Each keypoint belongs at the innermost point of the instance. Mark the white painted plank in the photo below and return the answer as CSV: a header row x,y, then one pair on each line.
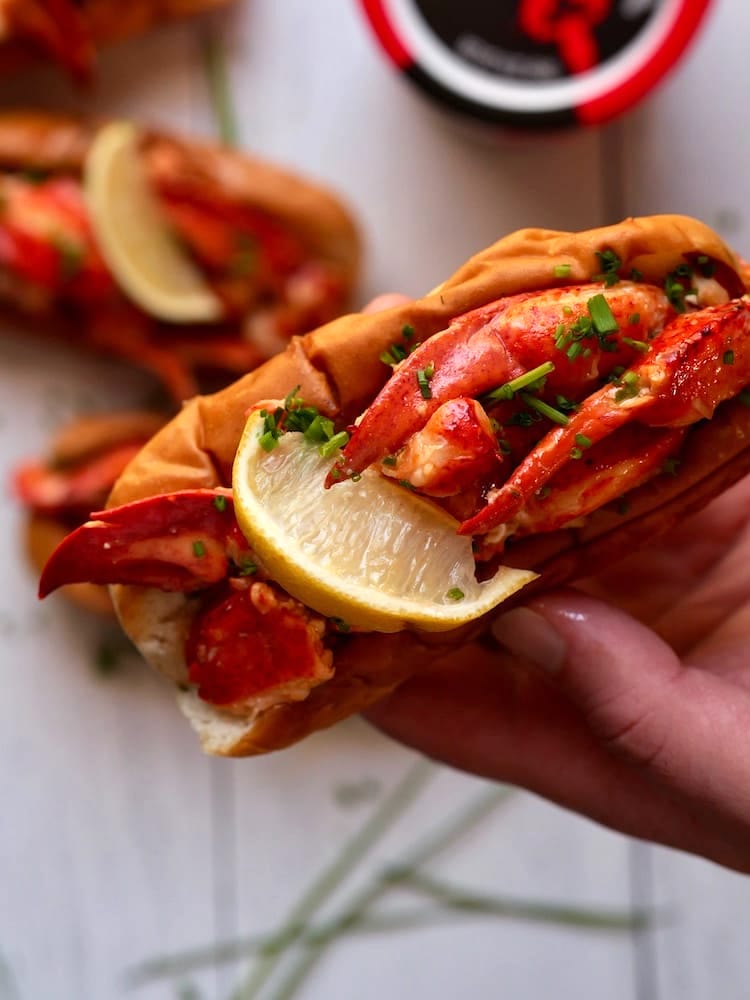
x,y
685,150
701,944
525,850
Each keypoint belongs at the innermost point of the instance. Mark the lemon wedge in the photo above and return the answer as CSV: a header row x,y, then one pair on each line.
x,y
146,261
369,553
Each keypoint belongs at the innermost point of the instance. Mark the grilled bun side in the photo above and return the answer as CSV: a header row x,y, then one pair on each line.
x,y
59,143
338,370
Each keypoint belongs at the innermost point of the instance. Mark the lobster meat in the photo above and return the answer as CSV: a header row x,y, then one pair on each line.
x,y
661,368
567,401
249,638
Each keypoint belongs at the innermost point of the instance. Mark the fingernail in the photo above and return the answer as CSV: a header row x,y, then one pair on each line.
x,y
526,633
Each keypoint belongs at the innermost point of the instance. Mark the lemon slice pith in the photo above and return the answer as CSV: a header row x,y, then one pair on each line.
x,y
368,552
145,259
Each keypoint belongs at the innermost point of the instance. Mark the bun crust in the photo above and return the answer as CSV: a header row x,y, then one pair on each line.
x,y
338,370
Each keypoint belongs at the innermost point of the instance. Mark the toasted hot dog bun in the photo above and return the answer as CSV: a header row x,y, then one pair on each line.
x,y
338,370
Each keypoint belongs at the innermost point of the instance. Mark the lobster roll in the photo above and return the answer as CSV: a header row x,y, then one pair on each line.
x,y
276,254
563,398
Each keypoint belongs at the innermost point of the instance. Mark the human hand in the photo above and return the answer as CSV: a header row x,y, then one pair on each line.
x,y
626,699
637,718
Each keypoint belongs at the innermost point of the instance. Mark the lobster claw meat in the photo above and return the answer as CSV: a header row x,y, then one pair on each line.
x,y
700,360
181,541
495,344
248,639
630,355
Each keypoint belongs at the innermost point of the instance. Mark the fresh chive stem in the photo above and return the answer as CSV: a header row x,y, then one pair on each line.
x,y
423,852
219,90
509,389
545,409
331,877
601,315
457,898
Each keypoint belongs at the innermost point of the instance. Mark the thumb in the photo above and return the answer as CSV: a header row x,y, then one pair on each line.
x,y
680,723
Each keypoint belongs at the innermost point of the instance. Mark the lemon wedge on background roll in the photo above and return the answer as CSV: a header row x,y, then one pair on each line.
x,y
145,258
368,553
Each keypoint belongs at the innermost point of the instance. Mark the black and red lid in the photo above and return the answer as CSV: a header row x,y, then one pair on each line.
x,y
536,63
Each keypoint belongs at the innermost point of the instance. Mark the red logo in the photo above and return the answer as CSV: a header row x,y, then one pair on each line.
x,y
569,25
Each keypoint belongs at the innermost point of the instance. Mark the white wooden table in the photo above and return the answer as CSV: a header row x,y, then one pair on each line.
x,y
125,855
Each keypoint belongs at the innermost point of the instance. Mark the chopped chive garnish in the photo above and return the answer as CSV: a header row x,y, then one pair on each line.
x,y
565,404
635,274
393,356
728,358
675,289
70,259
247,567
389,460
319,429
268,441
407,331
634,319
706,266
423,381
504,446
616,374
340,625
330,447
629,387
575,350
561,270
544,409
611,265
576,453
567,310
406,484
220,503
199,549
455,594
601,315
291,398
744,397
582,441
638,345
544,492
508,390
523,419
